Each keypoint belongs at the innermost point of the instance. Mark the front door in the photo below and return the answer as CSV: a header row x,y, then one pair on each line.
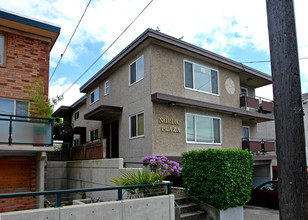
x,y
111,134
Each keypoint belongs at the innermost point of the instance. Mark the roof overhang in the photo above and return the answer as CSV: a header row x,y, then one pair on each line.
x,y
26,24
62,112
102,112
78,130
249,116
247,74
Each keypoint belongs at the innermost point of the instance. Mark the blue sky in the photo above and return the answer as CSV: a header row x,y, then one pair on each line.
x,y
236,29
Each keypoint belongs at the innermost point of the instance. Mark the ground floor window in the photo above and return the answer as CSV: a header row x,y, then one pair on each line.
x,y
13,107
76,142
137,125
94,135
202,129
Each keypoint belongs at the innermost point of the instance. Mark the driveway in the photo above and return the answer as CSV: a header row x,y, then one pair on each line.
x,y
260,213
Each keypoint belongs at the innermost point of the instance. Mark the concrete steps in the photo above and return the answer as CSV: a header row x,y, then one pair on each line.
x,y
186,209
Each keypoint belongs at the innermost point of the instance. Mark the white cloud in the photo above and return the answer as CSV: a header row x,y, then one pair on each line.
x,y
218,25
60,86
265,92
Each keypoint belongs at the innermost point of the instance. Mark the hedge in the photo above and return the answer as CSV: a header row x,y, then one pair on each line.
x,y
220,178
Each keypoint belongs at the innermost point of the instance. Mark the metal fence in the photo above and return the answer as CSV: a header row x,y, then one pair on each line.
x,y
63,195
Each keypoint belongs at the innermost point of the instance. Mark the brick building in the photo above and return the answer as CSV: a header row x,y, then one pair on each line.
x,y
25,45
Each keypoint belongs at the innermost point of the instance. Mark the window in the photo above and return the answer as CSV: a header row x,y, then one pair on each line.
x,y
13,107
107,87
246,132
76,142
200,78
202,129
94,96
2,50
94,135
76,115
136,71
137,125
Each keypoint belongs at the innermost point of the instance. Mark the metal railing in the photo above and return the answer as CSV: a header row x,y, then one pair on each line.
x,y
261,104
262,145
59,193
18,129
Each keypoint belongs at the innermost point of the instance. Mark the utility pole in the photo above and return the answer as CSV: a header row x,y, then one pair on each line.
x,y
288,110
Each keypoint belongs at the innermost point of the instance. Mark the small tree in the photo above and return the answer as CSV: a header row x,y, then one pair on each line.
x,y
40,106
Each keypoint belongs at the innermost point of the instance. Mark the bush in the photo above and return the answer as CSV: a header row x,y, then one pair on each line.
x,y
163,166
129,177
220,178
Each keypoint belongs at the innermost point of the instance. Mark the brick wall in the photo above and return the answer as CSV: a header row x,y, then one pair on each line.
x,y
18,174
26,59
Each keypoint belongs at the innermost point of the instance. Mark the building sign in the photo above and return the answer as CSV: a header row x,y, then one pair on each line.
x,y
169,125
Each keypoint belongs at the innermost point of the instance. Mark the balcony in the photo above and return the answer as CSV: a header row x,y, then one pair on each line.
x,y
24,130
258,145
258,104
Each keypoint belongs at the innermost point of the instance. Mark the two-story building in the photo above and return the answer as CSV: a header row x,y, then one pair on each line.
x,y
163,96
25,45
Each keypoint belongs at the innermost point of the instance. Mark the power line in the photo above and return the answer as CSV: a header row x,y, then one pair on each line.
x,y
268,61
106,49
70,40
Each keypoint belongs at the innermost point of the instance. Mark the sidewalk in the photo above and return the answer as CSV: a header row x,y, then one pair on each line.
x,y
260,213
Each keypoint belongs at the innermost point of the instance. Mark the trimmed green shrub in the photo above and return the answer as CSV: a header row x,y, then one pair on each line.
x,y
220,178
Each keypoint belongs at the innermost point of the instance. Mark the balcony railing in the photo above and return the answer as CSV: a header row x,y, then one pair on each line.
x,y
17,129
259,104
258,145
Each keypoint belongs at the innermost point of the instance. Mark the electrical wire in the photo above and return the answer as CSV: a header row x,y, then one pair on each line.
x,y
106,49
268,61
70,40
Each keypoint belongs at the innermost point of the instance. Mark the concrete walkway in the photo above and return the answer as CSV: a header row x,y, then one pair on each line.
x,y
260,213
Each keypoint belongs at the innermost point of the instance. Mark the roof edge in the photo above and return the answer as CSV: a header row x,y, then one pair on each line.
x,y
150,33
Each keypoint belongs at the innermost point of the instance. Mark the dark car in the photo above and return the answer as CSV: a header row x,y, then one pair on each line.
x,y
265,195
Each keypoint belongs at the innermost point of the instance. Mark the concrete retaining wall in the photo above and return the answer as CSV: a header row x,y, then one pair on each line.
x,y
160,207
84,174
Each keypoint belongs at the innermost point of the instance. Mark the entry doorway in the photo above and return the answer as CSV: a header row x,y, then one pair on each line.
x,y
111,134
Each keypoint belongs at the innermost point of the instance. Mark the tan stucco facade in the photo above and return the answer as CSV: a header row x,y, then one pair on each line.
x,y
164,125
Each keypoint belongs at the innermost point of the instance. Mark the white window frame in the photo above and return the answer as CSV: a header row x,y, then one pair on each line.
x,y
193,89
76,113
137,80
93,92
3,50
130,126
244,89
107,84
205,116
15,104
94,134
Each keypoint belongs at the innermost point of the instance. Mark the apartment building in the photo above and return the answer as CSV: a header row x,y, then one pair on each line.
x,y
163,96
25,45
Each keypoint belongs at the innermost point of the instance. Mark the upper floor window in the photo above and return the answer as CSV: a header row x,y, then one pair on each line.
x,y
202,129
76,115
94,96
107,87
201,78
137,125
136,71
2,50
13,107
